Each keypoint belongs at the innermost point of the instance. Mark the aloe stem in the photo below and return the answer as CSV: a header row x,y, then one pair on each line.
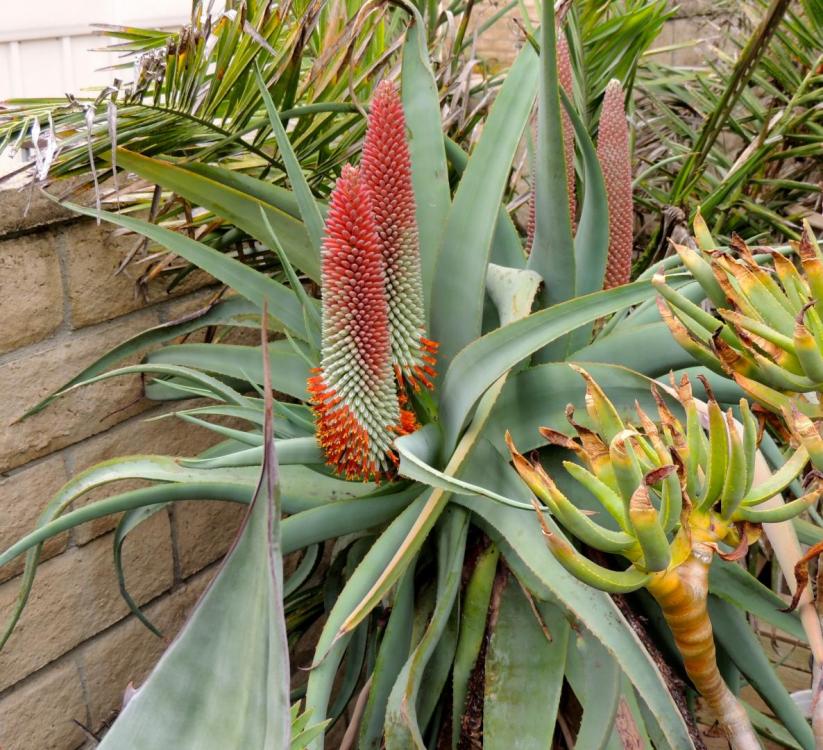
x,y
682,594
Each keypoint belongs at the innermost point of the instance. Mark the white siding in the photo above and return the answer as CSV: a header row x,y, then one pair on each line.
x,y
46,45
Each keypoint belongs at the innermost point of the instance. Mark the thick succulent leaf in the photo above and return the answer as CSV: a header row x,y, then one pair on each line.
x,y
552,254
524,673
591,243
460,279
241,209
394,650
538,396
507,247
337,519
330,648
474,614
402,729
597,681
734,633
421,105
483,361
648,348
283,304
290,370
737,586
211,688
236,311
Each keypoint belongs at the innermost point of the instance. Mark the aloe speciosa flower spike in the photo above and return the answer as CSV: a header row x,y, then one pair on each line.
x,y
353,392
374,348
680,493
386,169
614,155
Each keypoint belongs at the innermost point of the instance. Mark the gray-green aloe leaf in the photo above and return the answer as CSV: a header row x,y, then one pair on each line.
x,y
239,695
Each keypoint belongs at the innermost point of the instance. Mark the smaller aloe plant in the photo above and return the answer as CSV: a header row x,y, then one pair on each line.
x,y
769,337
373,345
679,495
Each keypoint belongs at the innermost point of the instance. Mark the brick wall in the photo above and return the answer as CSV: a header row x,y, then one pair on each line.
x,y
75,649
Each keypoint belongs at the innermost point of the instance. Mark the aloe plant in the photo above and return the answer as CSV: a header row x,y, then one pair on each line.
x,y
401,263
678,495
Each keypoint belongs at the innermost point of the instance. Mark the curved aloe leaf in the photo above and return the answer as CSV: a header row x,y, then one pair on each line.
x,y
647,348
520,711
597,681
236,311
421,105
402,729
483,361
394,650
239,696
460,279
523,547
552,254
289,369
735,635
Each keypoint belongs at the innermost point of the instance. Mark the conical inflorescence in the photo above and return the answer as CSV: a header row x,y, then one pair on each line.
x,y
614,155
373,341
386,167
353,393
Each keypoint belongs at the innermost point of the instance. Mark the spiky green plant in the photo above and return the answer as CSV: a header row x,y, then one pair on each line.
x,y
768,335
679,496
399,638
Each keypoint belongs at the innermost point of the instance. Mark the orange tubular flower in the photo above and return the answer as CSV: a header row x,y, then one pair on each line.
x,y
353,393
386,167
615,161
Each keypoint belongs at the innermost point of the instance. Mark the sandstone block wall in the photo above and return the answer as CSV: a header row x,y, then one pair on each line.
x,y
76,648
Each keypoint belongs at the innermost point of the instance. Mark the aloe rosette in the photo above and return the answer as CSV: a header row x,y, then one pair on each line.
x,y
679,495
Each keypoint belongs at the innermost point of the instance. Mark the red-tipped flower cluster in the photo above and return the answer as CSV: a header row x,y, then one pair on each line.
x,y
373,315
615,160
386,166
